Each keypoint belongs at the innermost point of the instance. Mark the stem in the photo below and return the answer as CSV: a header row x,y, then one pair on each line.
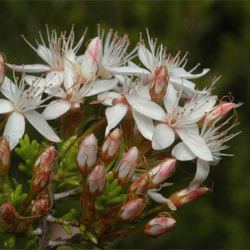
x,y
58,196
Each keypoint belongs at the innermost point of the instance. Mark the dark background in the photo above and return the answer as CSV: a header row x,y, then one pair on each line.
x,y
217,34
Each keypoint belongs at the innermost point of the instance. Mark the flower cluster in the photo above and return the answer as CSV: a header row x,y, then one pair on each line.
x,y
150,116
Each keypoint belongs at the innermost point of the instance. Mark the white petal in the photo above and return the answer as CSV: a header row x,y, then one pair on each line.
x,y
163,137
144,124
195,142
91,59
180,82
8,88
14,128
69,72
55,109
128,71
182,153
107,98
40,124
159,198
100,86
142,91
114,115
45,53
147,108
30,68
180,72
5,106
201,175
200,108
146,57
171,98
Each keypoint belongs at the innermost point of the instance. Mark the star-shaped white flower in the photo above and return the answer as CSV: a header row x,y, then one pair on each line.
x,y
120,106
21,103
54,52
161,69
215,138
113,52
180,120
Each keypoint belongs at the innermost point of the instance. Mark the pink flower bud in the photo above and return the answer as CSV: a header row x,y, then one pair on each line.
x,y
96,180
127,165
184,196
42,170
7,212
111,145
46,159
40,207
2,67
40,179
87,153
140,185
221,110
132,209
4,155
162,172
159,226
159,85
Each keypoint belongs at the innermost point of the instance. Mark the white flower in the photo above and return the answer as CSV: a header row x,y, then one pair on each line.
x,y
177,120
120,106
22,104
53,53
215,140
157,61
113,52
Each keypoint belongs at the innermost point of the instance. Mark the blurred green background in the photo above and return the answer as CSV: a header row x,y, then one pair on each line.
x,y
217,34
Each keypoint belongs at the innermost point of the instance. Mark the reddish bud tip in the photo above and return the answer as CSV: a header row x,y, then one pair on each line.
x,y
2,67
7,212
46,159
221,110
184,196
132,209
159,85
4,155
140,185
111,145
96,180
40,207
127,165
87,154
159,226
162,172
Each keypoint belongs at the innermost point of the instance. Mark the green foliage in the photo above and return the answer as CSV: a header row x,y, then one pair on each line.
x,y
67,174
28,151
17,197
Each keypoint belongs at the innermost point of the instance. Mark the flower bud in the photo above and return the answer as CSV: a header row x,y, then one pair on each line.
x,y
140,185
96,180
159,226
2,67
162,172
40,179
40,207
184,196
42,170
221,110
111,145
4,155
87,153
46,159
7,212
132,209
127,165
159,85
